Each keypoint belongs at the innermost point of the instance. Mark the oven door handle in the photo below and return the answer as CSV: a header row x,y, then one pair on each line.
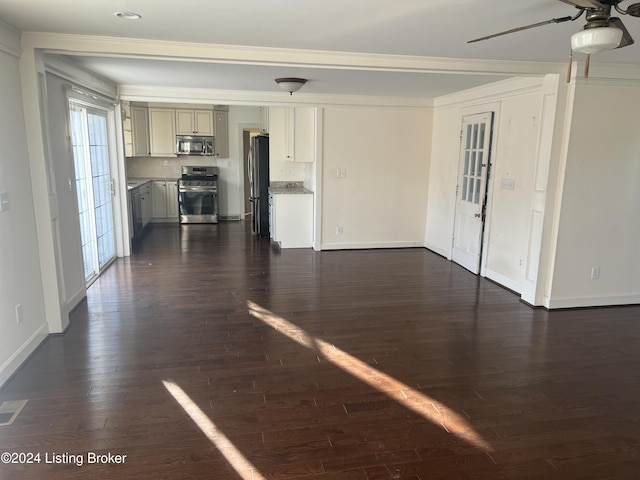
x,y
198,189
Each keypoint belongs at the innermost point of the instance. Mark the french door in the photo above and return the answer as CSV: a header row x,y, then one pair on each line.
x,y
94,187
475,149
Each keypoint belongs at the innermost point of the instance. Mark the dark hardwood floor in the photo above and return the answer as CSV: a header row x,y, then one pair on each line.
x,y
210,355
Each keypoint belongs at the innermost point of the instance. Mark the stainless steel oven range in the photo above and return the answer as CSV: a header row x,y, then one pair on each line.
x,y
198,195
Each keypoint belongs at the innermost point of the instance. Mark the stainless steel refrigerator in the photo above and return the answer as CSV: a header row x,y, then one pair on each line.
x,y
259,183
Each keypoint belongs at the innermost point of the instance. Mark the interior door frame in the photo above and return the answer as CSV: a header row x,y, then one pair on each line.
x,y
492,107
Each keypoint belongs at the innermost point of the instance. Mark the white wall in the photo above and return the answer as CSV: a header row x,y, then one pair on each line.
x,y
64,177
515,155
20,281
599,222
381,202
519,153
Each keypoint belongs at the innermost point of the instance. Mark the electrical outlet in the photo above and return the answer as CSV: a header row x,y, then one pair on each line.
x,y
19,313
341,172
595,273
338,230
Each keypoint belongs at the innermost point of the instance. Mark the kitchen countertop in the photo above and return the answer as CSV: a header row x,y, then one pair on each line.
x,y
294,188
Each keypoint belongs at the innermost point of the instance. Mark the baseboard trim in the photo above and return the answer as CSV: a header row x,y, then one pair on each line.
x,y
76,299
13,364
504,281
595,301
365,246
440,251
231,217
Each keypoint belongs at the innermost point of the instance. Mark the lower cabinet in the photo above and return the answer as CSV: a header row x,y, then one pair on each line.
x,y
165,200
291,220
146,204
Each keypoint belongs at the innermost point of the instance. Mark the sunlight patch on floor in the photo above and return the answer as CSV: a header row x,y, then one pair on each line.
x,y
428,408
239,462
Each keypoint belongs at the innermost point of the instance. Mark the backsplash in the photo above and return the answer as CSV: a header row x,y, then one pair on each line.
x,y
169,167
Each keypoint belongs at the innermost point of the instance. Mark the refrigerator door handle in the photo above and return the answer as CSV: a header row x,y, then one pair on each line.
x,y
250,166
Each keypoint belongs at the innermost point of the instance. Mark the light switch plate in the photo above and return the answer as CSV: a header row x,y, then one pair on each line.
x,y
508,183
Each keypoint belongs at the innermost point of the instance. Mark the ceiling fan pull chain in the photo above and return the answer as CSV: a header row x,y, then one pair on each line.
x,y
569,67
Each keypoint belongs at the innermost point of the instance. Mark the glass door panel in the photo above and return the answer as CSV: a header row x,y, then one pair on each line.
x,y
93,187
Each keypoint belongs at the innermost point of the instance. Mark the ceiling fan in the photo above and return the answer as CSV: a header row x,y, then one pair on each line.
x,y
601,32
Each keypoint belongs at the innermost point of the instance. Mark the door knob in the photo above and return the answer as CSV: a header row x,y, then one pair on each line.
x,y
477,215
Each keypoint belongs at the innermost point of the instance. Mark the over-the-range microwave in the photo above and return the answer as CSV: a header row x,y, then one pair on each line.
x,y
192,145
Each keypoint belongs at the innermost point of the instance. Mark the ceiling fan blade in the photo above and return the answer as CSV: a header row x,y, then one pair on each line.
x,y
526,27
627,39
634,10
584,3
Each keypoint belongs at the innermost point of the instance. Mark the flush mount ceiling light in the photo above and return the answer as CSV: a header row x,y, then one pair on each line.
x,y
596,40
128,15
291,84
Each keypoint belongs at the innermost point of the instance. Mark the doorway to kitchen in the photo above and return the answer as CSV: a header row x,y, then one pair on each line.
x,y
471,191
94,185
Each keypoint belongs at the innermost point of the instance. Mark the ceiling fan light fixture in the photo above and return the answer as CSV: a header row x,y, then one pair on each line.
x,y
291,84
596,40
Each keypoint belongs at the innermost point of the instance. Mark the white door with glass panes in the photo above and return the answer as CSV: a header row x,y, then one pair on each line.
x,y
475,150
94,187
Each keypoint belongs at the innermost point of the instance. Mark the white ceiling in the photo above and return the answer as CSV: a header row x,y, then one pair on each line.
x,y
425,28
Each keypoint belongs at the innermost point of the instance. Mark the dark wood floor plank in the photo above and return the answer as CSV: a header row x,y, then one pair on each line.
x,y
529,394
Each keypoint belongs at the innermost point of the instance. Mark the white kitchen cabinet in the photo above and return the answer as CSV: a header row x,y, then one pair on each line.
x,y
221,133
165,200
291,216
172,199
264,120
272,215
276,135
194,122
159,199
304,134
127,129
294,132
146,203
162,132
140,131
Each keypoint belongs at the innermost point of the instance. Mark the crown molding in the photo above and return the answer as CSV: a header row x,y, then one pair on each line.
x,y
492,92
136,93
198,52
9,40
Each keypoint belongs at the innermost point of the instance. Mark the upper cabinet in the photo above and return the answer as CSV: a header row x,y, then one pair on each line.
x,y
304,134
126,129
140,131
194,122
293,132
264,120
152,128
162,128
221,133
